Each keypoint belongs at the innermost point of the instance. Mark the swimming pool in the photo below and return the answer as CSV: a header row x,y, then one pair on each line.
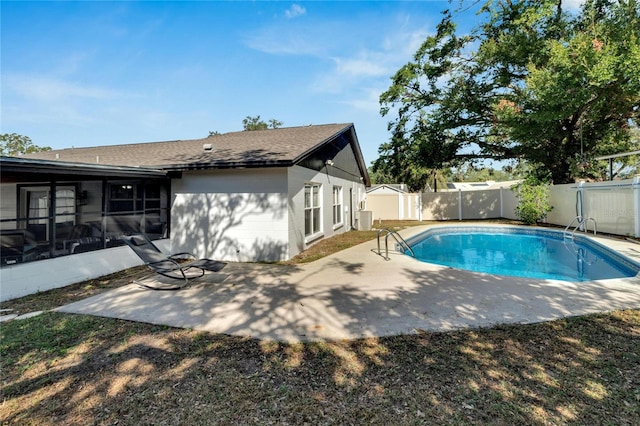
x,y
521,252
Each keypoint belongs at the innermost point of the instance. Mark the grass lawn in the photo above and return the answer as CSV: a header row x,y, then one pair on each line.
x,y
73,369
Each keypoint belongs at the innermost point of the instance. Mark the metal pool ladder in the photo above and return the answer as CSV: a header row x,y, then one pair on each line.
x,y
580,221
399,240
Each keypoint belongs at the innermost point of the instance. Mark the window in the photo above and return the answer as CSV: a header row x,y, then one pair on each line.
x,y
337,205
131,197
312,209
35,203
136,206
125,198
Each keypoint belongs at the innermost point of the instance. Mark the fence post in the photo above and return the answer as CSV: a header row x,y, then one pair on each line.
x,y
636,203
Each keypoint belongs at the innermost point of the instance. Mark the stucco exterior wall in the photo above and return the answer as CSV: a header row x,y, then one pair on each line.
x,y
232,215
353,194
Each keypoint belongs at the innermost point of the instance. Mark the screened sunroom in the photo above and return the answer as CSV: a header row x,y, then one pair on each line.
x,y
50,209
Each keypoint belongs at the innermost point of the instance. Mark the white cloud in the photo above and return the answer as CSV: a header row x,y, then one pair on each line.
x,y
367,100
277,42
353,59
361,67
294,11
295,38
36,100
371,66
46,89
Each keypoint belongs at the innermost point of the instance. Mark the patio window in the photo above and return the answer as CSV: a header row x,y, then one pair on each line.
x,y
312,209
337,205
36,201
136,207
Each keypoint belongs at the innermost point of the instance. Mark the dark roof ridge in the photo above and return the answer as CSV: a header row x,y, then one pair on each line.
x,y
203,138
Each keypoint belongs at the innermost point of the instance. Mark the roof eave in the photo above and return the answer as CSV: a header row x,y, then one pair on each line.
x,y
227,165
23,165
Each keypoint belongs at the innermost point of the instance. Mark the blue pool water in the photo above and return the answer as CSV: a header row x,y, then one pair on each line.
x,y
533,253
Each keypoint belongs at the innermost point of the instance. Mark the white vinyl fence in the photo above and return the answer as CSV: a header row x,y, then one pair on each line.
x,y
469,205
614,206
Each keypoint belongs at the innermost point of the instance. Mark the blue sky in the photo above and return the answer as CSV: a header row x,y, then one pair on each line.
x,y
101,73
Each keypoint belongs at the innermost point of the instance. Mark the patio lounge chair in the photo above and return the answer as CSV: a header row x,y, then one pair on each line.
x,y
180,266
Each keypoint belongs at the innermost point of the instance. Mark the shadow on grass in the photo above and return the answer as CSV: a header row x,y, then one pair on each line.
x,y
75,369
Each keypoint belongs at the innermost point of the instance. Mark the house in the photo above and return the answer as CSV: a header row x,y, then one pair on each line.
x,y
262,195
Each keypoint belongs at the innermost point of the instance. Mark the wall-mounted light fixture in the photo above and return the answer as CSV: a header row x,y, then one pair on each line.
x,y
329,163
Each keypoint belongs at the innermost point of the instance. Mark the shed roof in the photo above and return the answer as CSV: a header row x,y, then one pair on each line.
x,y
256,148
388,187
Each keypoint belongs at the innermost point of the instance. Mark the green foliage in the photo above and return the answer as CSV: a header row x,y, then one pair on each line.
x,y
533,201
13,144
530,82
379,177
255,123
400,162
469,173
628,166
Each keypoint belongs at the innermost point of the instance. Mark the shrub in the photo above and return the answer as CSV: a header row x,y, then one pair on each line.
x,y
533,201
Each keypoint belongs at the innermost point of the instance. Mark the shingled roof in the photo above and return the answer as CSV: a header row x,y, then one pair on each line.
x,y
256,148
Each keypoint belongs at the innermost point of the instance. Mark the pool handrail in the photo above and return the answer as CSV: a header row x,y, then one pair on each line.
x,y
581,221
398,239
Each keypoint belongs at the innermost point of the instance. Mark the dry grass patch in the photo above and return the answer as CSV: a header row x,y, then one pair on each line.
x,y
73,369
343,241
46,300
346,240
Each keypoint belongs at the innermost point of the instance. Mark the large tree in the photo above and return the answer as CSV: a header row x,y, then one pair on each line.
x,y
13,144
255,123
531,82
398,164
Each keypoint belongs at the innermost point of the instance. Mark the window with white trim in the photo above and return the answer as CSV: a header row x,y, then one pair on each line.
x,y
337,205
312,209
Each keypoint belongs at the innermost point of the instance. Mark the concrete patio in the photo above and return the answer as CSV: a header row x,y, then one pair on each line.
x,y
356,293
